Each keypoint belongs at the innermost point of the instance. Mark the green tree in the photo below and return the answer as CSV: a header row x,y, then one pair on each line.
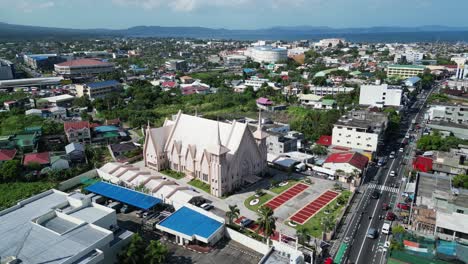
x,y
302,233
155,253
34,166
11,169
319,81
319,150
460,181
233,213
266,221
327,222
134,252
398,230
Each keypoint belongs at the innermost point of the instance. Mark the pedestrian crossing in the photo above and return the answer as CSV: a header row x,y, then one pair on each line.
x,y
382,188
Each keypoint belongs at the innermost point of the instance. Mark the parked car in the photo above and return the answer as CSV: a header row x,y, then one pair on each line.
x,y
392,154
390,216
385,206
372,233
246,222
207,206
403,206
375,194
139,213
386,228
402,150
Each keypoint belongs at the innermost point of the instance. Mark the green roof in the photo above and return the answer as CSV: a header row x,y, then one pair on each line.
x,y
33,129
407,66
5,138
24,140
355,73
325,72
111,134
328,102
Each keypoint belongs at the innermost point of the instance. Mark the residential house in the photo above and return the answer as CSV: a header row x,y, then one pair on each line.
x,y
78,131
98,89
119,151
76,152
7,154
42,158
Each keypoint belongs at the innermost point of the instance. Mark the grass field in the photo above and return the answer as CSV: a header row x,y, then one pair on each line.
x,y
201,185
13,192
173,174
280,189
264,198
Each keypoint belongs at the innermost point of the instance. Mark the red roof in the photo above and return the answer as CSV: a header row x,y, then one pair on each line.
x,y
41,158
264,101
76,125
324,140
341,148
353,158
423,164
83,62
169,84
7,154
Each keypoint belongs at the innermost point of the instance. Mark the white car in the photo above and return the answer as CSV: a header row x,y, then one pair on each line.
x,y
206,206
392,173
402,150
392,155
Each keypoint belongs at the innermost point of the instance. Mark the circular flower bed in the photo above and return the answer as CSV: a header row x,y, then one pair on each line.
x,y
254,202
291,223
283,183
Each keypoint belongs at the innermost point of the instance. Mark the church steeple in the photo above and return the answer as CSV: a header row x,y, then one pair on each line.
x,y
218,148
259,133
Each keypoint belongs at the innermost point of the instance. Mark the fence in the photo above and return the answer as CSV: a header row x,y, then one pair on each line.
x,y
77,180
247,241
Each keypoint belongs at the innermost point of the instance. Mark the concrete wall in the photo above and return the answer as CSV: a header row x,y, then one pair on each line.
x,y
70,183
247,241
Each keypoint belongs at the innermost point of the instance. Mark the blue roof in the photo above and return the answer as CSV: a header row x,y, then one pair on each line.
x,y
103,84
249,70
190,223
124,195
104,129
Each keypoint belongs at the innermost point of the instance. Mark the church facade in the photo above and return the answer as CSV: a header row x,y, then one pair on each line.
x,y
223,155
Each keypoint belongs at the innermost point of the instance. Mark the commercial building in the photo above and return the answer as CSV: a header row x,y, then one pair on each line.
x,y
380,95
279,143
98,89
267,54
448,112
331,42
177,65
63,100
408,56
347,162
360,129
412,81
223,155
235,60
7,70
404,71
44,62
42,82
322,90
56,227
83,68
460,85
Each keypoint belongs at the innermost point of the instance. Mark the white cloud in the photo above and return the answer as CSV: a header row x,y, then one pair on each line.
x,y
27,6
191,5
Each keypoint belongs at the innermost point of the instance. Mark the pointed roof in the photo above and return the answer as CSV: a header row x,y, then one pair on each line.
x,y
218,149
259,133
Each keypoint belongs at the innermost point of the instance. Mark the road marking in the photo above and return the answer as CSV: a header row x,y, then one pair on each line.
x,y
373,213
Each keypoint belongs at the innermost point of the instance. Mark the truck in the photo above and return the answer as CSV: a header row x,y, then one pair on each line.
x,y
386,228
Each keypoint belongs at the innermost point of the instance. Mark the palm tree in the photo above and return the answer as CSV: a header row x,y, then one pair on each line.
x,y
133,253
266,221
155,252
302,234
233,213
328,222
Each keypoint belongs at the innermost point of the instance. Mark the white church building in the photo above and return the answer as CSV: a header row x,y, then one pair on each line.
x,y
223,155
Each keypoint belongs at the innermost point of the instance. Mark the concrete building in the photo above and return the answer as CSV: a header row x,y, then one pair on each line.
x,y
44,62
267,54
360,130
225,156
177,65
380,95
347,162
412,81
56,227
408,56
279,143
63,100
462,68
7,70
404,71
447,112
331,42
42,82
322,90
98,89
234,60
78,131
83,68
460,85
255,82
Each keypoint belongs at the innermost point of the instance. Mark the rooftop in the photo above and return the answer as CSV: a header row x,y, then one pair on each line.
x,y
407,66
83,62
97,85
356,159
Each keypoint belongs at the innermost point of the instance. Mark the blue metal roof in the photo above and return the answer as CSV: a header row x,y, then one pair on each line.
x,y
124,195
190,223
103,84
103,129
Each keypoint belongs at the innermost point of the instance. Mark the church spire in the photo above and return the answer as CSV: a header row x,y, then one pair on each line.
x,y
218,134
218,148
259,134
259,127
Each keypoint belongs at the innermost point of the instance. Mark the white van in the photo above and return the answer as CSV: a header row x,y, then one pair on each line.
x,y
386,228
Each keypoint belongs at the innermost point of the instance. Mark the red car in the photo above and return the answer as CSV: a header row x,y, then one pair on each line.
x,y
385,206
390,216
403,206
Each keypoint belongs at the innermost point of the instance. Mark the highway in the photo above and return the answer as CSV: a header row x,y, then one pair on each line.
x,y
369,212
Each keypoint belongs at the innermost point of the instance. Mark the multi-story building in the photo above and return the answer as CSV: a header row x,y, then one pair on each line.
x,y
54,226
98,89
331,42
360,129
404,71
177,65
448,112
380,95
43,62
267,54
83,68
7,70
235,60
279,143
255,82
409,56
222,155
460,84
322,90
78,131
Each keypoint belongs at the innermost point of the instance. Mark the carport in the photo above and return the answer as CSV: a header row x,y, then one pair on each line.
x,y
124,195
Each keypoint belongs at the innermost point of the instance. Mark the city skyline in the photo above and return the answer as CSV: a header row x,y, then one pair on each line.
x,y
237,14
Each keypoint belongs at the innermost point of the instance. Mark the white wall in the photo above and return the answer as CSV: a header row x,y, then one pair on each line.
x,y
354,139
380,94
247,241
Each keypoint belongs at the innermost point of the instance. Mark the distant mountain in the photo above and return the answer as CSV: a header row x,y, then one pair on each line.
x,y
11,31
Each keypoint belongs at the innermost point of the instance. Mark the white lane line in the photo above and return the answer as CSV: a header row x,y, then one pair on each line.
x,y
373,213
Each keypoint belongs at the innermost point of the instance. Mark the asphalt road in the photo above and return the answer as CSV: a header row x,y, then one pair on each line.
x,y
369,212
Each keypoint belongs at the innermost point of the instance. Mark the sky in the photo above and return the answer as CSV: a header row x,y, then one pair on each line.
x,y
233,14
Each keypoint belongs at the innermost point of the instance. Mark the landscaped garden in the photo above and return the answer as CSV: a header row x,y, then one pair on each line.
x,y
173,174
326,218
201,185
279,187
254,202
